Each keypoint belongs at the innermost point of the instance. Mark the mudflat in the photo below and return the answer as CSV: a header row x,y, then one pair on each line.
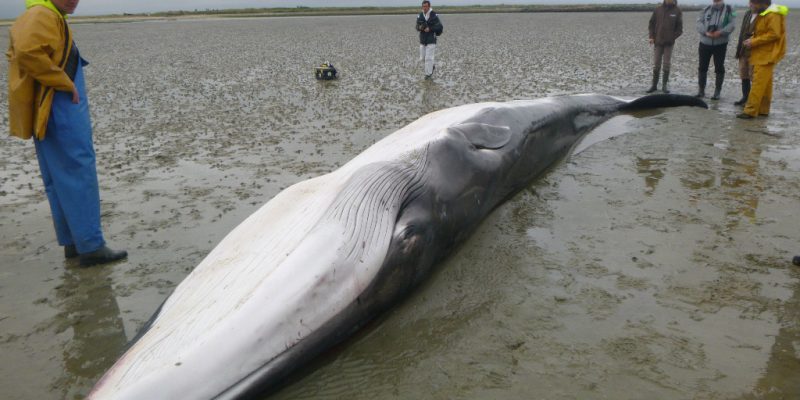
x,y
653,263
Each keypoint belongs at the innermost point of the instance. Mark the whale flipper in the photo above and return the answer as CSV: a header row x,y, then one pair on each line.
x,y
663,100
484,136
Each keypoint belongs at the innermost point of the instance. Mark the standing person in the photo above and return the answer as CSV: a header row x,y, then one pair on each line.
x,y
429,28
666,25
714,24
743,55
47,101
767,47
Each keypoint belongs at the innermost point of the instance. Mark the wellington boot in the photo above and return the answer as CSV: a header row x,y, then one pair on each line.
x,y
654,85
70,251
102,255
745,92
701,84
665,81
718,86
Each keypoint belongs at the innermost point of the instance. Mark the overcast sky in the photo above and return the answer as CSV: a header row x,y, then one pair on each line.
x,y
12,8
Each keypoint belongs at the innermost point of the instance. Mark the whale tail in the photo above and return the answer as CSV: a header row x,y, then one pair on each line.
x,y
663,100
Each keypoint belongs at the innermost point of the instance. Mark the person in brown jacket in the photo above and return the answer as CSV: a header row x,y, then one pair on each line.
x,y
666,25
743,55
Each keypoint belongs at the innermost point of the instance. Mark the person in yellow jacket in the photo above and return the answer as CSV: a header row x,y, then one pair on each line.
x,y
767,47
47,102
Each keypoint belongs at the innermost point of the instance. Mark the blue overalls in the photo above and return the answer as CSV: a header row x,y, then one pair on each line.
x,y
67,162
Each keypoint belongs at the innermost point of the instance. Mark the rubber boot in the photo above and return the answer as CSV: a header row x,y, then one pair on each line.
x,y
701,83
70,251
664,81
718,86
745,92
102,256
654,85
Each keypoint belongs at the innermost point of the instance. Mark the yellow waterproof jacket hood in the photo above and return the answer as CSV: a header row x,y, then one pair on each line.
x,y
774,8
39,44
47,3
768,44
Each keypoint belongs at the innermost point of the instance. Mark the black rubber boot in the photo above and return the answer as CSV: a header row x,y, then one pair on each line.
x,y
718,86
102,255
796,260
664,81
745,92
70,251
654,85
701,83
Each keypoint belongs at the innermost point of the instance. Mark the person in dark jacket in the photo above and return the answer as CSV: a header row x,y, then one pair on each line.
x,y
714,24
666,25
743,55
429,27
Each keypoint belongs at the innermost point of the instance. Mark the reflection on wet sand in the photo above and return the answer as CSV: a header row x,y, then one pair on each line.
x,y
736,173
89,309
780,380
431,97
742,180
652,170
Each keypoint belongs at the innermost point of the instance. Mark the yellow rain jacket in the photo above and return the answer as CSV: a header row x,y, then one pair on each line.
x,y
769,36
40,42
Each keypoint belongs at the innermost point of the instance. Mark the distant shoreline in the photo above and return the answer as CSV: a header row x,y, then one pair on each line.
x,y
343,11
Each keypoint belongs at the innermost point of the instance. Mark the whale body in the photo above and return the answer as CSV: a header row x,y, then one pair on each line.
x,y
326,255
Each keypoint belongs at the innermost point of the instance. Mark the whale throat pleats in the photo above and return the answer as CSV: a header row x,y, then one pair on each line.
x,y
369,204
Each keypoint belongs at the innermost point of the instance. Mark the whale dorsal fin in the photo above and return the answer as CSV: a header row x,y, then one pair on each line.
x,y
483,136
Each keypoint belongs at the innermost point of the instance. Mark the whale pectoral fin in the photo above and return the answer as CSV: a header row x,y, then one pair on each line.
x,y
483,136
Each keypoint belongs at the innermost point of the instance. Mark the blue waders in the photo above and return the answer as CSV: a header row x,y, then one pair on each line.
x,y
67,162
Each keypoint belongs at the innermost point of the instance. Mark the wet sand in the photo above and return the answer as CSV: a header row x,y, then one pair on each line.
x,y
656,263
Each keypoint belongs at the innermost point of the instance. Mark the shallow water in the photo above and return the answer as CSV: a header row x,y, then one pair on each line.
x,y
652,264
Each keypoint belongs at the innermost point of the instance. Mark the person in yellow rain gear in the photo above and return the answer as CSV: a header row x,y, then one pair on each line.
x,y
47,102
767,47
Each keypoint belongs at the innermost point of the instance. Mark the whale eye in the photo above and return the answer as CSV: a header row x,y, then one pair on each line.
x,y
483,136
410,238
407,232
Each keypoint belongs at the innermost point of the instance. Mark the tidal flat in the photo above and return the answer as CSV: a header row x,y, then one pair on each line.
x,y
653,263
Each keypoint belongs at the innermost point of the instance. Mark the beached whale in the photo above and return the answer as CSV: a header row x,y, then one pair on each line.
x,y
326,255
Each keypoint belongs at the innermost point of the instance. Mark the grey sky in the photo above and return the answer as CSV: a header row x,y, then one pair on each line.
x,y
12,8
